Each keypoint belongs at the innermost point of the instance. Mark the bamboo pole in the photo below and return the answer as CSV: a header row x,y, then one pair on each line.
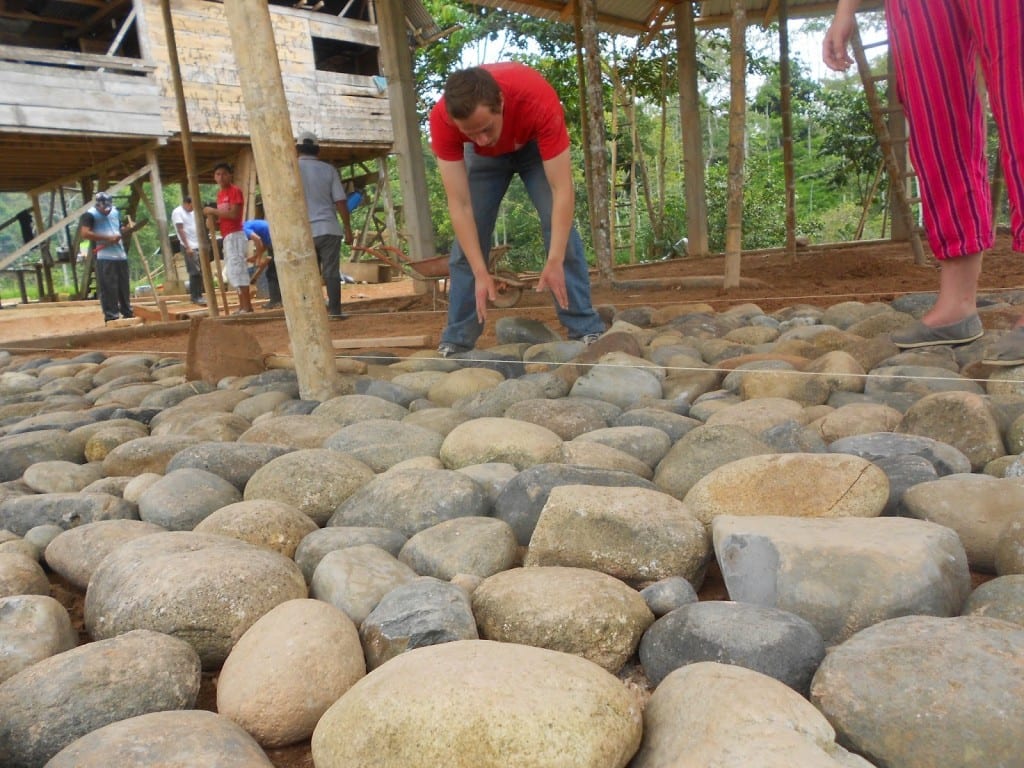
x,y
786,102
188,151
259,72
161,304
595,137
737,137
211,228
693,139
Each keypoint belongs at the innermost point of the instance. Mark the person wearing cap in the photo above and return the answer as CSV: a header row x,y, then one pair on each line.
x,y
494,122
235,246
101,224
325,201
184,219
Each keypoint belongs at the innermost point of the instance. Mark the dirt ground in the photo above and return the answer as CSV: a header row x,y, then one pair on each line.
x,y
821,276
868,272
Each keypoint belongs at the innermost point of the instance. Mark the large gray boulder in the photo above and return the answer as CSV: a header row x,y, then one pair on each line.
x,y
205,589
21,513
19,452
182,499
411,500
91,686
767,640
919,692
76,553
843,575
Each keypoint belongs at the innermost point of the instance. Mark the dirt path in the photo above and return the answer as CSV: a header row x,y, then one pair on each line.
x,y
868,272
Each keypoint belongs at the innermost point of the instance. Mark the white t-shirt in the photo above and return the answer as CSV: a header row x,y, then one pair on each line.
x,y
188,222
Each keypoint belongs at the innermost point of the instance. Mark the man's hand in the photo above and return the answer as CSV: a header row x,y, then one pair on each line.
x,y
552,278
484,290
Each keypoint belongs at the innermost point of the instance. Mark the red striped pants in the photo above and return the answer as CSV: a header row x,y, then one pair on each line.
x,y
935,45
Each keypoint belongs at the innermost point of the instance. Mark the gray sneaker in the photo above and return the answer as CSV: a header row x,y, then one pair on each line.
x,y
1007,351
447,349
590,338
921,335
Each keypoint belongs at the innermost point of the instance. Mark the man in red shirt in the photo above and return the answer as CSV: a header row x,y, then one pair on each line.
x,y
492,123
235,245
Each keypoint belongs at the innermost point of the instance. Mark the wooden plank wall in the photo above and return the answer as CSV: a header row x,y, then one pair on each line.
x,y
53,98
340,108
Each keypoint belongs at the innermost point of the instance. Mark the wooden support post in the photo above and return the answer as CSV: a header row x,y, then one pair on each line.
x,y
693,140
273,144
211,228
396,66
737,137
786,103
156,207
161,304
44,247
202,233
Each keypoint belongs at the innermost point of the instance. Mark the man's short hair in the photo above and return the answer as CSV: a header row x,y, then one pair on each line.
x,y
187,199
468,89
225,166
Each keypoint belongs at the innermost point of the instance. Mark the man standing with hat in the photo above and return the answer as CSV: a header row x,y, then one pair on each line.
x,y
325,199
102,225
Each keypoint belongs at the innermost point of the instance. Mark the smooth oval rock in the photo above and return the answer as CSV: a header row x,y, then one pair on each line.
x,y
489,705
316,658
201,588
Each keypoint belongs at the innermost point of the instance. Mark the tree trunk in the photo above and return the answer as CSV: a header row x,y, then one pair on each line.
x,y
737,134
595,137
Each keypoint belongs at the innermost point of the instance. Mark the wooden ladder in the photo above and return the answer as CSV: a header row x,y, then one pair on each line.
x,y
902,203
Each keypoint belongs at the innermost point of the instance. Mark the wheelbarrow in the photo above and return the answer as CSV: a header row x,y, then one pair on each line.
x,y
508,286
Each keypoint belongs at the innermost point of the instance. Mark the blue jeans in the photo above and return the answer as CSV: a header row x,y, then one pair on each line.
x,y
489,178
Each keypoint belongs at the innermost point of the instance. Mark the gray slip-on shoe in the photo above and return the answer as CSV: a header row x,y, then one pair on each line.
x,y
1007,351
921,335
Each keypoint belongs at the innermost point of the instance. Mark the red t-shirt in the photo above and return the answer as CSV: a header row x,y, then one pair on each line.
x,y
532,111
225,199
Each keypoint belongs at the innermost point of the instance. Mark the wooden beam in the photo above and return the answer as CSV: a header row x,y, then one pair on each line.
x,y
425,340
72,59
786,105
259,73
73,216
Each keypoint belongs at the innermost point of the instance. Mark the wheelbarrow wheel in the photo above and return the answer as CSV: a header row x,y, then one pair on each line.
x,y
506,294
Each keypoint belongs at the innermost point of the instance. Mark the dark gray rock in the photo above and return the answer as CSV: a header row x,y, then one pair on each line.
x,y
904,472
920,691
1000,598
946,459
672,423
183,498
235,462
20,513
767,640
511,330
19,452
91,686
410,500
668,594
425,611
523,498
315,545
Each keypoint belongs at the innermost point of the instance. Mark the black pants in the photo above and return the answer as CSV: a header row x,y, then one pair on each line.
x,y
114,288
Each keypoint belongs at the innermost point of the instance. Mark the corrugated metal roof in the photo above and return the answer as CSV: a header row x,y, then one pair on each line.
x,y
632,17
